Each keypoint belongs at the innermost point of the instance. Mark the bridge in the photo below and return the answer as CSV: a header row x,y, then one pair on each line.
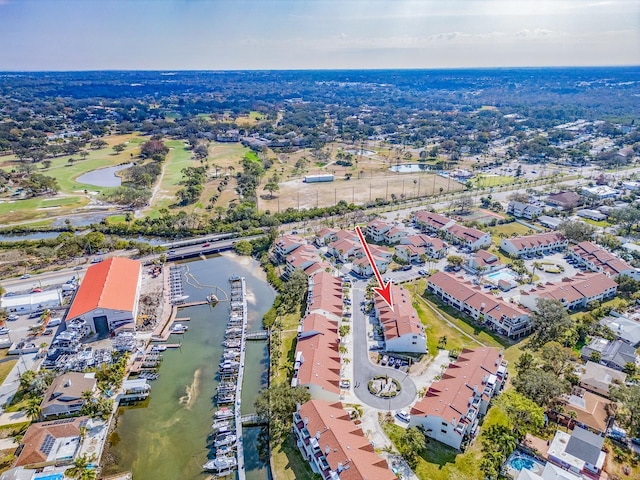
x,y
260,335
253,420
203,247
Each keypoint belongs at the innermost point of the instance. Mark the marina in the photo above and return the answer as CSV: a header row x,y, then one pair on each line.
x,y
229,390
180,414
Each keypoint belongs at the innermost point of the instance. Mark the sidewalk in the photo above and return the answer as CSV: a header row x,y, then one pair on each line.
x,y
12,382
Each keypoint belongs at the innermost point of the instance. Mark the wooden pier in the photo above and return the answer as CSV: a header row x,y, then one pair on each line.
x,y
238,405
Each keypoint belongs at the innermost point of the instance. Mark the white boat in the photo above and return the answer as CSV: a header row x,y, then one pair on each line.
x,y
179,299
220,464
178,328
232,343
223,413
220,424
225,440
158,348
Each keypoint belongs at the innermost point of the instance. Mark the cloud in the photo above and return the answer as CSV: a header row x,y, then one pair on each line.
x,y
536,33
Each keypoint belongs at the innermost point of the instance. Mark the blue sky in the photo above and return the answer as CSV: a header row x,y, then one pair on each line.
x,y
292,34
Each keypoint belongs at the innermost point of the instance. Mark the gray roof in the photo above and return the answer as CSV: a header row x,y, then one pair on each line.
x,y
624,328
614,352
585,445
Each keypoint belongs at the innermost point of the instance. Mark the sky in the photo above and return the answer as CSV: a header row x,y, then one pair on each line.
x,y
315,34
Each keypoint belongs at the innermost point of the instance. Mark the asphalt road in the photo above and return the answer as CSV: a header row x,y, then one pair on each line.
x,y
364,369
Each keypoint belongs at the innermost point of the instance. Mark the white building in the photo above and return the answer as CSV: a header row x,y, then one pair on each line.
x,y
524,210
32,302
540,243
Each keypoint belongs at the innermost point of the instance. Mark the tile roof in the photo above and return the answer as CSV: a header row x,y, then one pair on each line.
x,y
403,320
67,388
321,360
432,219
591,409
36,437
346,444
111,284
325,293
465,233
572,289
609,262
448,397
536,240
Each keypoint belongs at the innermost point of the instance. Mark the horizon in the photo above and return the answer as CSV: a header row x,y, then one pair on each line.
x,y
248,35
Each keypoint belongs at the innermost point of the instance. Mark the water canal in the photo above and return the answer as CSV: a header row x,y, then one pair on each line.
x,y
103,177
168,436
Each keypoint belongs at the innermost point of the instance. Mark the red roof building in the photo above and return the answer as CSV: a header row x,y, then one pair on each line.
x,y
403,331
450,409
334,446
108,295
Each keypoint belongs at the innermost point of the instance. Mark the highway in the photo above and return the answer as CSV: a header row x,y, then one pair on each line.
x,y
205,247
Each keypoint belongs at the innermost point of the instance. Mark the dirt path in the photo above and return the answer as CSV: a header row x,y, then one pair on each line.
x,y
154,193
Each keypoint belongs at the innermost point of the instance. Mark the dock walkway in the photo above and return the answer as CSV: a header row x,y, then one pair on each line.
x,y
238,406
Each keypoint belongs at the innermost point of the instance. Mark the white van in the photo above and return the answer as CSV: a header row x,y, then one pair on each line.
x,y
54,322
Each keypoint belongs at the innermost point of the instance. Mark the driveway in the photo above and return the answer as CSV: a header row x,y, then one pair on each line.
x,y
364,369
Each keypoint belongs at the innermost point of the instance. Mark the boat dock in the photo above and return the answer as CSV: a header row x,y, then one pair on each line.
x,y
238,409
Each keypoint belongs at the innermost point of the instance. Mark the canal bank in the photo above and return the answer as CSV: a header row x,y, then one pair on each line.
x,y
168,436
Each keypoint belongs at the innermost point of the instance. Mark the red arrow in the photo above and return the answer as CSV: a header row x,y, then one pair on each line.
x,y
384,290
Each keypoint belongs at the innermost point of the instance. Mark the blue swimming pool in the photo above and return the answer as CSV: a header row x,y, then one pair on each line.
x,y
503,274
518,463
51,476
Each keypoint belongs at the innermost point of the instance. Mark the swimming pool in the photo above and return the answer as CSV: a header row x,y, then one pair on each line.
x,y
519,463
503,274
51,476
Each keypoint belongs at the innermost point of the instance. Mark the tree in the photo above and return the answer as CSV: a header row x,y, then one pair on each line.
x,y
412,442
82,466
455,260
551,321
556,358
119,147
576,230
629,405
627,217
463,204
498,443
155,149
541,386
243,247
523,414
33,408
84,154
271,187
277,403
519,197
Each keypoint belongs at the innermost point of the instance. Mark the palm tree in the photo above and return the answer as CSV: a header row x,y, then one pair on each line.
x,y
82,467
33,409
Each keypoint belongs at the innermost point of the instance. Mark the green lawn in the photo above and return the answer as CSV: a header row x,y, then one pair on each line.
x,y
38,207
440,462
177,159
287,462
508,229
5,368
484,181
596,223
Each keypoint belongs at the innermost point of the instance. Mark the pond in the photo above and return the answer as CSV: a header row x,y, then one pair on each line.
x,y
410,168
169,435
103,177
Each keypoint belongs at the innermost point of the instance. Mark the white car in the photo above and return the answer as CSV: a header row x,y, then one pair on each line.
x,y
404,416
4,331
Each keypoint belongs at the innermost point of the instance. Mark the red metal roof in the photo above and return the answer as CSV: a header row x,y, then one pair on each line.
x,y
111,284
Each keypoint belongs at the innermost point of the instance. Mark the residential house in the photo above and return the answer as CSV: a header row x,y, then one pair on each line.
x,y
402,329
51,443
613,353
450,410
597,259
468,237
302,258
579,452
484,262
286,244
591,410
324,295
539,243
433,247
550,472
65,395
382,232
591,214
501,316
599,378
550,222
625,329
346,249
325,235
524,210
362,267
575,292
432,222
410,253
317,360
564,200
334,446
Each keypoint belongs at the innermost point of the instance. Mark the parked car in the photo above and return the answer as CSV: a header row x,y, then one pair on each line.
x,y
384,360
4,331
406,268
48,331
13,317
345,384
423,272
404,416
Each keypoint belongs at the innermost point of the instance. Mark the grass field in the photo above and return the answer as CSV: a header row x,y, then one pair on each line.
x,y
484,181
72,193
287,462
440,462
5,368
508,229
